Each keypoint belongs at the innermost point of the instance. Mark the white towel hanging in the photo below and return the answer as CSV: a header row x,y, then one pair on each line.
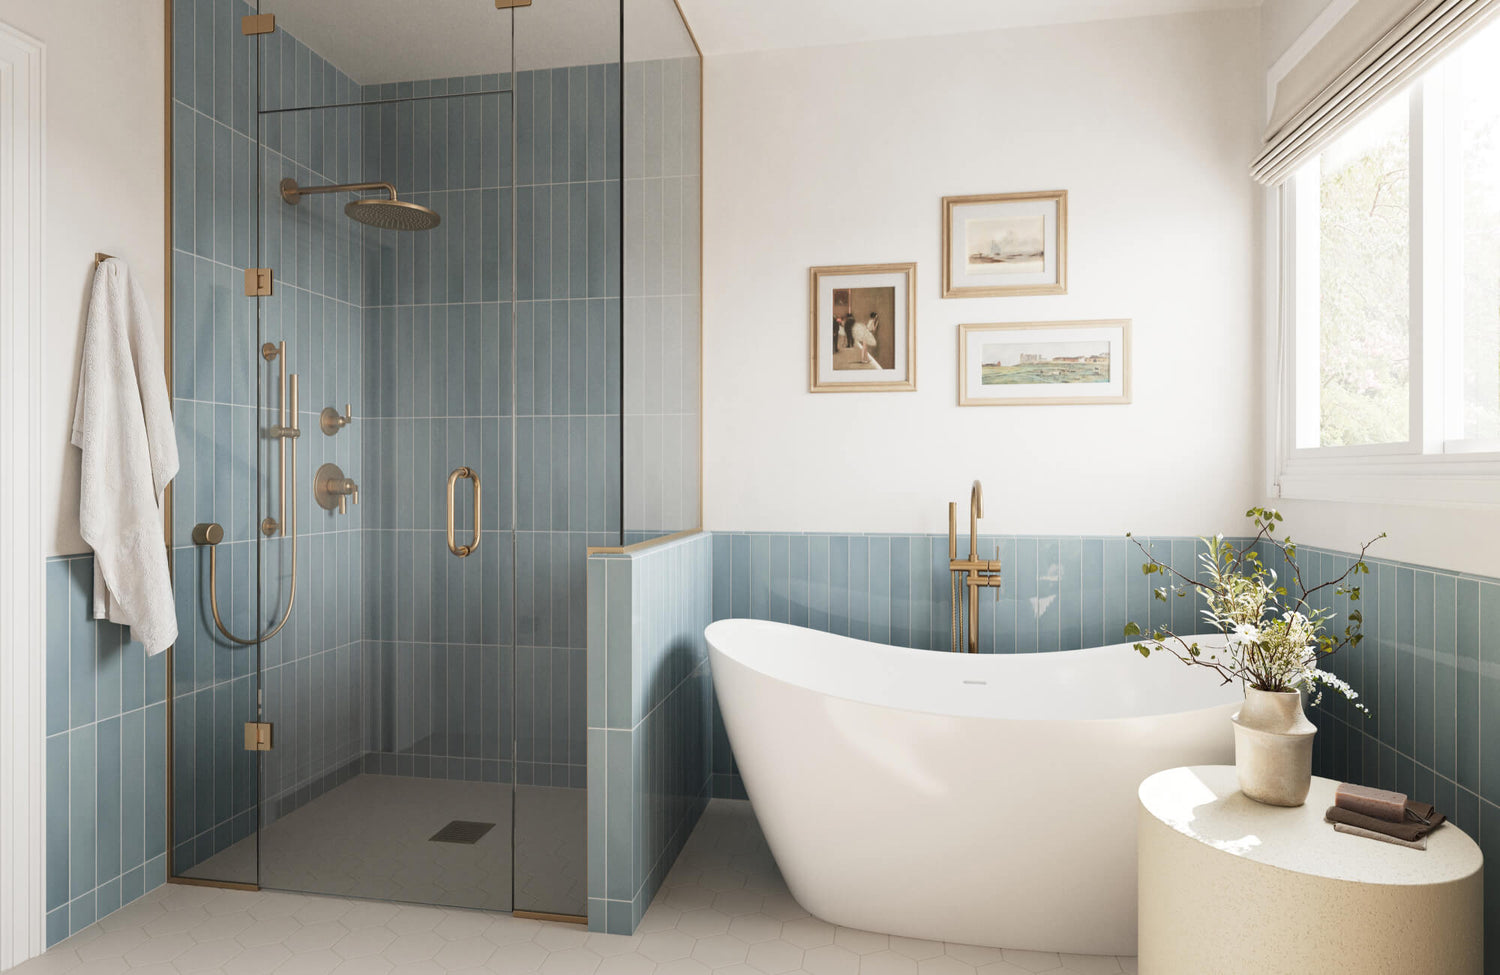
x,y
123,424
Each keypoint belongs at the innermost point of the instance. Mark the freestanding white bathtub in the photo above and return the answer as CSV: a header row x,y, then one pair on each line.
x,y
979,799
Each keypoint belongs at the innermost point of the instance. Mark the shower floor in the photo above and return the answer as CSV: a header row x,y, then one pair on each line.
x,y
370,838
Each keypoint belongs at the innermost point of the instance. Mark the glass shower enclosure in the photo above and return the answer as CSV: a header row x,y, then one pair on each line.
x,y
464,352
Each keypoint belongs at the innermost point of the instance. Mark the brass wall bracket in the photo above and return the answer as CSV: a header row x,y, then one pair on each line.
x,y
257,736
252,24
258,282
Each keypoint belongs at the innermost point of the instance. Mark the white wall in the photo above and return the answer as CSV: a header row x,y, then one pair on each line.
x,y
105,160
840,155
1282,22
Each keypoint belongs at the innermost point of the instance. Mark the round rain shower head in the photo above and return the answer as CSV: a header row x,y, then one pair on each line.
x,y
392,214
386,214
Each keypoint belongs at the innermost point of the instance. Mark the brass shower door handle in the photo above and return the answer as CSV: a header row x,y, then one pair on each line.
x,y
463,551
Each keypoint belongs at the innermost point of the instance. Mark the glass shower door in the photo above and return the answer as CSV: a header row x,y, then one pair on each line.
x,y
390,692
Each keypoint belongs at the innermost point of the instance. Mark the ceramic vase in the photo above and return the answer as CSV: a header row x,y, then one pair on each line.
x,y
1273,747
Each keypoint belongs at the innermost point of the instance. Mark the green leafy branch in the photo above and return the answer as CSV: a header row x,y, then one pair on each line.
x,y
1274,637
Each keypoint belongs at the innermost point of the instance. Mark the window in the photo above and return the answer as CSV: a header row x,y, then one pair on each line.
x,y
1391,310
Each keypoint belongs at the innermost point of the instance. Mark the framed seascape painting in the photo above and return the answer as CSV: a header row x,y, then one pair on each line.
x,y
1038,363
1005,244
864,319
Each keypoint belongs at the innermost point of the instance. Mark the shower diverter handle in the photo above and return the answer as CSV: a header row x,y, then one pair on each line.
x,y
332,489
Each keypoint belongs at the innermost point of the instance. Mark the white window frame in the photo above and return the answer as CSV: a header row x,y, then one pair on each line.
x,y
1429,468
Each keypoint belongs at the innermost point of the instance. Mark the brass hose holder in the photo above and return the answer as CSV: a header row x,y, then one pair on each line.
x,y
208,533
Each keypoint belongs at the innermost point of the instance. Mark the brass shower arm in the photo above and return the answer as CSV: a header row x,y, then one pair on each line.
x,y
292,193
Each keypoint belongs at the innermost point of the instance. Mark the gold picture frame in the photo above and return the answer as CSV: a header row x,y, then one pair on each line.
x,y
1093,355
1005,244
851,347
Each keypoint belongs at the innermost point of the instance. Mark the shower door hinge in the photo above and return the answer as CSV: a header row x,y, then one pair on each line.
x,y
257,736
257,282
257,24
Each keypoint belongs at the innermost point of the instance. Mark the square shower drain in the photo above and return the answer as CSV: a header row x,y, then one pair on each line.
x,y
461,831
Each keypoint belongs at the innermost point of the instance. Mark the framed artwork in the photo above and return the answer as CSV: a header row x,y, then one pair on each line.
x,y
1005,244
864,320
1040,363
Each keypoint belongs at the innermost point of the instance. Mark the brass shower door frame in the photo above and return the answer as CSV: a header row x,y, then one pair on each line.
x,y
168,331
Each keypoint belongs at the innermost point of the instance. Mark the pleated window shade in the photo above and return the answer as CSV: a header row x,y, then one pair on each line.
x,y
1302,124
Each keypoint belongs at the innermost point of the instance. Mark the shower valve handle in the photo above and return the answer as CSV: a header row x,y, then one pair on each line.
x,y
346,489
331,422
332,490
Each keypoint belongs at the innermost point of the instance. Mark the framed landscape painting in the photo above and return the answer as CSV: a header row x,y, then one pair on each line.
x,y
1005,244
864,329
1037,363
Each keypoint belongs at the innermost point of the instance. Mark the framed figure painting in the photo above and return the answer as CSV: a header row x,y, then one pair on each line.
x,y
863,329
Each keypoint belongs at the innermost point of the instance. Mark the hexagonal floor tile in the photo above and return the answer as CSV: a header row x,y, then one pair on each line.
x,y
830,960
886,962
1032,961
774,957
665,946
1090,964
704,923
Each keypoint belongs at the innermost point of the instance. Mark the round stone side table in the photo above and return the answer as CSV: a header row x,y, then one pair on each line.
x,y
1230,886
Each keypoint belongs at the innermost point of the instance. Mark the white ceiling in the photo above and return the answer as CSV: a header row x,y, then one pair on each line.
x,y
377,41
730,26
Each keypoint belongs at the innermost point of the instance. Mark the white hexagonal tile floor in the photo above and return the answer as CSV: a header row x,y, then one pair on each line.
x,y
724,910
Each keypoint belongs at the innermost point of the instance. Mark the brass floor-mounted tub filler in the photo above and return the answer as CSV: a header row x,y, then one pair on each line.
x,y
968,576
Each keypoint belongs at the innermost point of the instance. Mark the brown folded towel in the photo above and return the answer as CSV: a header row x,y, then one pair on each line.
x,y
1390,806
1370,834
1414,829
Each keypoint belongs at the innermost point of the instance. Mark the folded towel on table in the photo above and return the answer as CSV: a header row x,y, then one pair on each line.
x,y
1380,803
1422,819
1420,844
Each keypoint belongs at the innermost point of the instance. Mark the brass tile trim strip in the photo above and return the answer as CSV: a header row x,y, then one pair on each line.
x,y
641,546
167,495
545,916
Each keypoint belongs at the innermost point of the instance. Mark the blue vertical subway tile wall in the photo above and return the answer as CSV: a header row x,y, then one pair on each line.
x,y
106,758
223,222
662,301
566,396
1426,671
649,725
438,321
217,385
